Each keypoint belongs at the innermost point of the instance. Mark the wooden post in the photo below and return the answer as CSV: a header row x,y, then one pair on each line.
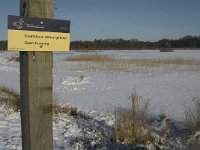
x,y
36,85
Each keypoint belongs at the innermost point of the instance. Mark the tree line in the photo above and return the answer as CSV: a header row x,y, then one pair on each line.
x,y
187,42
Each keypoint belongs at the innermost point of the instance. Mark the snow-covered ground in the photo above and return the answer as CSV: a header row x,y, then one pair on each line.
x,y
168,88
69,132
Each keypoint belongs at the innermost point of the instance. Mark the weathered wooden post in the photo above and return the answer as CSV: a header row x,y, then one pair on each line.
x,y
36,85
36,36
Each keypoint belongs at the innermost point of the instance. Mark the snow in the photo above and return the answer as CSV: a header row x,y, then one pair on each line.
x,y
99,93
69,132
10,131
166,87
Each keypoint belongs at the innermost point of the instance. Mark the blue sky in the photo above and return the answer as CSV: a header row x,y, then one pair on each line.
x,y
147,20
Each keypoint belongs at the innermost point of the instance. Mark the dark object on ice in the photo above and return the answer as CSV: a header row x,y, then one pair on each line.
x,y
166,50
165,47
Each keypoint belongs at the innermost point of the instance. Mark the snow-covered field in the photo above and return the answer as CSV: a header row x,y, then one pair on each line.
x,y
169,88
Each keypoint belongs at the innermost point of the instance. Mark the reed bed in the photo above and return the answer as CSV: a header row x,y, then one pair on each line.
x,y
97,62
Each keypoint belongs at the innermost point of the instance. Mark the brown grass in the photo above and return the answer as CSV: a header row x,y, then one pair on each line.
x,y
158,62
10,97
130,126
136,61
69,110
12,100
94,57
110,63
193,116
15,59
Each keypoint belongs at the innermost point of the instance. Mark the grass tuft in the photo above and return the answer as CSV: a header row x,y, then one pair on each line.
x,y
130,125
72,111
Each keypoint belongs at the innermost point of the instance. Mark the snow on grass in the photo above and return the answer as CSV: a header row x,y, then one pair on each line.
x,y
72,128
69,132
72,132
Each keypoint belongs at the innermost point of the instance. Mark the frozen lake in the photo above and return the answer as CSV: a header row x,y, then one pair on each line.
x,y
168,88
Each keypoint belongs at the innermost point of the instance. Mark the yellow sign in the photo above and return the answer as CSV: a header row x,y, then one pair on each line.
x,y
21,40
36,34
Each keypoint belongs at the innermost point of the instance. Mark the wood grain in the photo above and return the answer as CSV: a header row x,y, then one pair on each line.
x,y
36,87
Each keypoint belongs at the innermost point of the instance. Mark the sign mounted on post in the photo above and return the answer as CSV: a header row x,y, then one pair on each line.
x,y
38,34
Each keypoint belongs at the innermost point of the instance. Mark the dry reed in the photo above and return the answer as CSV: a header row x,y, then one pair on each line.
x,y
130,125
192,116
15,59
111,63
69,110
12,100
94,57
10,97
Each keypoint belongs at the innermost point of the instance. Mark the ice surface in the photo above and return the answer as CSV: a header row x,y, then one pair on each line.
x,y
102,91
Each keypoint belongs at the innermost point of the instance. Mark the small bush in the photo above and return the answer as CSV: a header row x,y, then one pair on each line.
x,y
130,125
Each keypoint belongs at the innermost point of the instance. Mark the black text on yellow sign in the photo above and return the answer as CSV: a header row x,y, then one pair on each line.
x,y
36,34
